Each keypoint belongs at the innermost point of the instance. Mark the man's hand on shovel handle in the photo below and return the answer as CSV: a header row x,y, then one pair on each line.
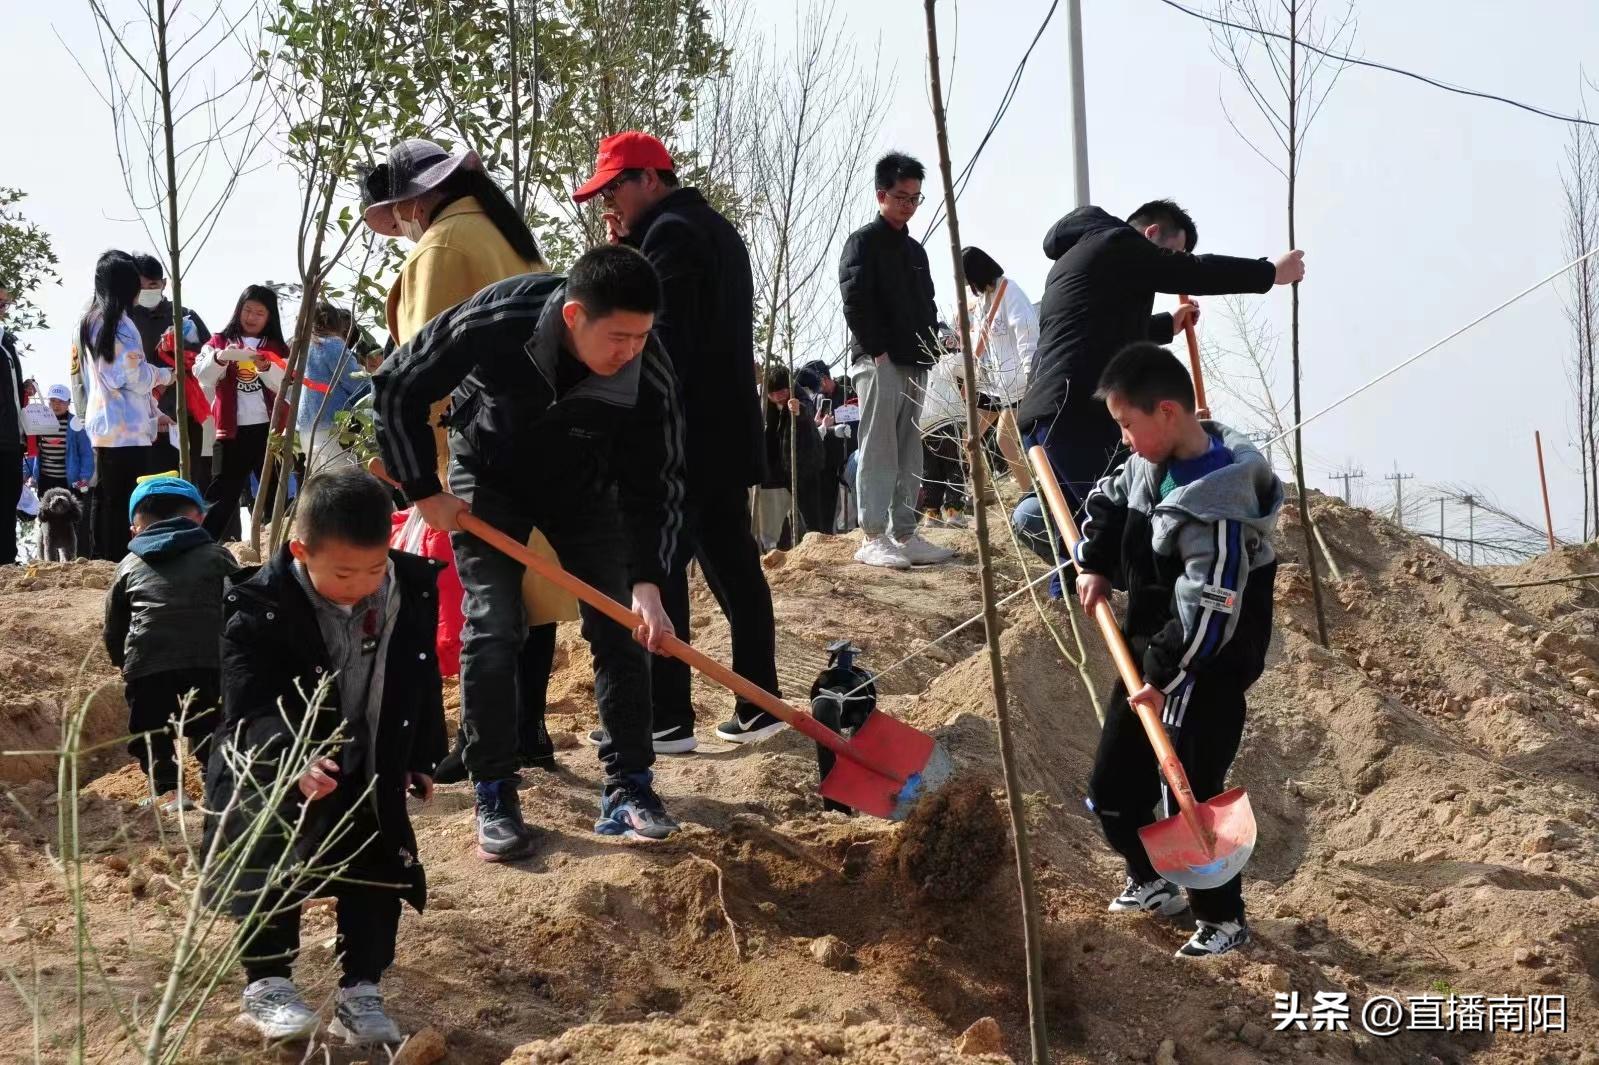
x,y
657,626
1149,696
442,511
1185,315
1092,589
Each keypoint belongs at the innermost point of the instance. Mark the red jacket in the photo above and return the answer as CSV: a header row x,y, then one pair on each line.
x,y
194,396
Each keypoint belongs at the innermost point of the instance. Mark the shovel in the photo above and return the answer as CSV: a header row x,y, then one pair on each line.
x,y
1207,843
882,770
1200,406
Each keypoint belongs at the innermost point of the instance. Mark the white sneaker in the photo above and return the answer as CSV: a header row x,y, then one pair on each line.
x,y
881,551
1157,896
1211,938
274,1008
921,552
359,1020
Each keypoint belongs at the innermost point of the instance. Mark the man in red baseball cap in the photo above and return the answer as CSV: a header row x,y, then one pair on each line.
x,y
706,324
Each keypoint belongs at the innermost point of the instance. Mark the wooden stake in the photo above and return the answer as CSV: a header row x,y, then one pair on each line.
x,y
1032,942
1549,522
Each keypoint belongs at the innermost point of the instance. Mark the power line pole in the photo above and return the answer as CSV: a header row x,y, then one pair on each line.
x,y
1074,45
1471,527
1399,480
1441,545
1347,476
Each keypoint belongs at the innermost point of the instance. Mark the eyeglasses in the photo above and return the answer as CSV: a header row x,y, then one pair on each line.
x,y
907,201
608,192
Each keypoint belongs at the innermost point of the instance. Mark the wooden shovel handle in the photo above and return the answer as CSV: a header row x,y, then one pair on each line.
x,y
671,645
1203,408
1171,767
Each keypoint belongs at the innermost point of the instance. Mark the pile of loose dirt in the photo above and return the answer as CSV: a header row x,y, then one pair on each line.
x,y
953,843
746,1043
52,660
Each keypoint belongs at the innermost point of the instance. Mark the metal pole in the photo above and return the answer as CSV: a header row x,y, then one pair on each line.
x,y
1074,44
1543,482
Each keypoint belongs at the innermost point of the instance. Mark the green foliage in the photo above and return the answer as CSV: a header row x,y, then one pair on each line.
x,y
27,261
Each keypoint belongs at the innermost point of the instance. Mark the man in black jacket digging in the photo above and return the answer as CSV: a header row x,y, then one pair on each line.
x,y
1098,298
706,324
887,290
565,416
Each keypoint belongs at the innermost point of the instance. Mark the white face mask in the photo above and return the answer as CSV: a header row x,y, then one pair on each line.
x,y
150,298
410,228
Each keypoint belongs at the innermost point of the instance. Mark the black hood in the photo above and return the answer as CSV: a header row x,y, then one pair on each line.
x,y
1077,225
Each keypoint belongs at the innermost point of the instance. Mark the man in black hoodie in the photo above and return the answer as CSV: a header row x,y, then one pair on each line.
x,y
1098,298
153,317
706,324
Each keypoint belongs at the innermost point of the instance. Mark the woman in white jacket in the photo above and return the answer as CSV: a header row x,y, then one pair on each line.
x,y
1007,338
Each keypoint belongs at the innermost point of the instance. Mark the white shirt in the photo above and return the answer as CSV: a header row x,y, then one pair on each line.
x,y
1007,360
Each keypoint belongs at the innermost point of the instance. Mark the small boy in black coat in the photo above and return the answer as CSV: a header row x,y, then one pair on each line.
x,y
335,610
162,612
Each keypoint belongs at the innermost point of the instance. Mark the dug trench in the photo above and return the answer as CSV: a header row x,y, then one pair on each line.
x,y
1425,794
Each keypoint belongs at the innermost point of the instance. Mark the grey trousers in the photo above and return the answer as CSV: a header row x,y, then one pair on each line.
x,y
890,464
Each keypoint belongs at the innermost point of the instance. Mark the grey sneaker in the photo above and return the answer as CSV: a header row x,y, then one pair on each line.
x,y
631,808
358,1019
274,1008
922,552
501,834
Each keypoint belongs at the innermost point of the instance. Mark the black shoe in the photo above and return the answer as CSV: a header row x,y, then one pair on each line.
x,y
537,750
452,770
678,739
752,729
501,834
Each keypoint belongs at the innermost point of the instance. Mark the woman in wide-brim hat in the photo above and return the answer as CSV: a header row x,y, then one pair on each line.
x,y
467,235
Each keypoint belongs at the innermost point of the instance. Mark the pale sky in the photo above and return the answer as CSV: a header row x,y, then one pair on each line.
x,y
1418,209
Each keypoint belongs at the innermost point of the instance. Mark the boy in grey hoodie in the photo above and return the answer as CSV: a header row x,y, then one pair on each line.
x,y
1184,525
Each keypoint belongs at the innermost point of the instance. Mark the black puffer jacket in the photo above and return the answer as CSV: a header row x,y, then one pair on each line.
x,y
272,649
707,326
887,290
164,607
782,438
1097,300
11,435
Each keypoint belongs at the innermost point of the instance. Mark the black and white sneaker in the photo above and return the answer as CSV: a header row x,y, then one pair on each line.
x,y
679,739
1157,896
1212,938
752,729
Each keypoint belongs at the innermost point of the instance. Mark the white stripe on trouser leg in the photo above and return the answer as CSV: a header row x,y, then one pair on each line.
x,y
1206,613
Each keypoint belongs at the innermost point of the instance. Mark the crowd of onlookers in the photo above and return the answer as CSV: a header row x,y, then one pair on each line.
x,y
116,419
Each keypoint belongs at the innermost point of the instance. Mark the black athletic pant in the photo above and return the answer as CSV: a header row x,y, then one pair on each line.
x,y
826,494
369,922
164,457
154,700
10,492
533,689
717,533
1206,722
943,472
241,457
117,471
584,528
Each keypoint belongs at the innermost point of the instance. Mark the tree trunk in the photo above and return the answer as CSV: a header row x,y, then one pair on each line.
x,y
180,362
1299,449
1032,941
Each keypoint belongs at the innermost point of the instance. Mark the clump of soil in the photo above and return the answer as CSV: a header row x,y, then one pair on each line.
x,y
953,842
745,1043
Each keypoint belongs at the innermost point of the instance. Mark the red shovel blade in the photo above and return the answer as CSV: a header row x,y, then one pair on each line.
x,y
1183,858
917,764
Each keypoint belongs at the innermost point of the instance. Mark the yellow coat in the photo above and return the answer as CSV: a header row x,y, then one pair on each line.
x,y
460,253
